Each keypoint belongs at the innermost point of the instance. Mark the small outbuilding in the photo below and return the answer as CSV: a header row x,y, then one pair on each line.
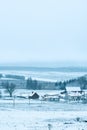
x,y
49,97
34,96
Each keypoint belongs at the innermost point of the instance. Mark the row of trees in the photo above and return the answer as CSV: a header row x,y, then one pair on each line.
x,y
12,76
32,84
81,81
61,85
15,76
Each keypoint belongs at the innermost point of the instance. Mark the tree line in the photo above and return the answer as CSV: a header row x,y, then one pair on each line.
x,y
32,84
81,81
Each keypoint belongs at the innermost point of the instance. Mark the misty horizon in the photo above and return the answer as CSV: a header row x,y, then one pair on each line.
x,y
45,64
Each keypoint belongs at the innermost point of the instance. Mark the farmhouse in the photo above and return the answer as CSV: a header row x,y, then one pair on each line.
x,y
74,93
49,97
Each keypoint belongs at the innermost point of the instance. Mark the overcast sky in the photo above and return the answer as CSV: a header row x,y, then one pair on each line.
x,y
43,31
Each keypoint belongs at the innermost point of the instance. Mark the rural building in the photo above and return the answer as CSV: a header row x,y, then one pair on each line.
x,y
48,97
74,93
34,96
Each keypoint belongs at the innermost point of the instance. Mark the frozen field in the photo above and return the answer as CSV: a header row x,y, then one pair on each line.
x,y
36,115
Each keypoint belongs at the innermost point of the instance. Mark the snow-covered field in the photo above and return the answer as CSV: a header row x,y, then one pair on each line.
x,y
46,75
37,114
23,114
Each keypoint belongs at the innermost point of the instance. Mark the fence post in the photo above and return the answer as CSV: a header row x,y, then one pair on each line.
x,y
14,100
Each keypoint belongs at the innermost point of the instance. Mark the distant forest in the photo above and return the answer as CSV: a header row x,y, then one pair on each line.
x,y
38,85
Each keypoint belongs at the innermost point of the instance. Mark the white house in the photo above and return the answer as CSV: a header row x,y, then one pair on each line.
x,y
74,93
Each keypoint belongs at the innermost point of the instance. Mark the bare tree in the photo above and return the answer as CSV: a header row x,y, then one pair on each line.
x,y
10,88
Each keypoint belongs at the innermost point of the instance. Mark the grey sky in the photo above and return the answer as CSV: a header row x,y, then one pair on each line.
x,y
43,31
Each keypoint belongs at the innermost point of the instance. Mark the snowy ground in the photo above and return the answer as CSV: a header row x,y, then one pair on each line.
x,y
52,76
37,114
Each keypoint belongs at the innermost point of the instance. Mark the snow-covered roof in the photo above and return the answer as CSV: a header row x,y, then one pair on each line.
x,y
8,79
75,94
73,88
